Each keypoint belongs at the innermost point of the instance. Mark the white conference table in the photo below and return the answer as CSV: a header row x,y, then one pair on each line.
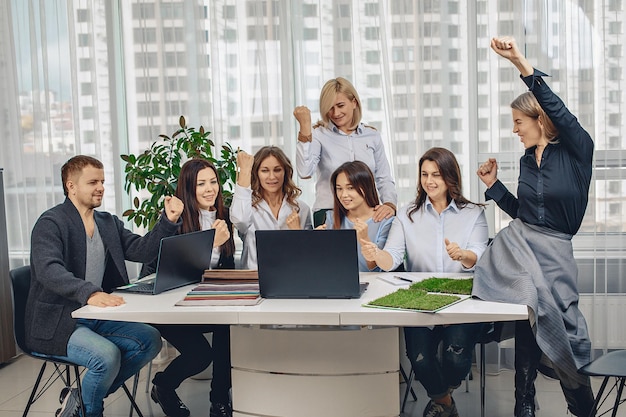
x,y
310,357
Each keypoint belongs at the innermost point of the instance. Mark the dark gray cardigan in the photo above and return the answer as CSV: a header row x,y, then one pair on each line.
x,y
58,257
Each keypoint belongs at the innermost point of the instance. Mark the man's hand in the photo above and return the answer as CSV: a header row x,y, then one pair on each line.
x,y
173,208
222,234
103,299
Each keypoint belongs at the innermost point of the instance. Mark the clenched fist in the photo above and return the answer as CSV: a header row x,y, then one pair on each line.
x,y
173,208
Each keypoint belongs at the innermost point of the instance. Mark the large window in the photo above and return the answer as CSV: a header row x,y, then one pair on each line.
x,y
108,76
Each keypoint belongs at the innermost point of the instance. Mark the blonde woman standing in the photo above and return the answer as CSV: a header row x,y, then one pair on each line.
x,y
341,137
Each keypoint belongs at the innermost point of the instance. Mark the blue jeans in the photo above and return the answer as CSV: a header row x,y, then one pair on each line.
x,y
440,374
112,352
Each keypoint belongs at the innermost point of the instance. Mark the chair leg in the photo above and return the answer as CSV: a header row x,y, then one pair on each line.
x,y
406,380
148,377
618,396
34,391
80,390
409,388
132,400
597,403
483,372
135,383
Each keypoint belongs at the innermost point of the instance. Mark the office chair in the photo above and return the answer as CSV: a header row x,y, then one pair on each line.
x,y
20,282
609,365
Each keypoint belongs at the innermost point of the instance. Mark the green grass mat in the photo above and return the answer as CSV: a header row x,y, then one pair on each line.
x,y
445,285
414,299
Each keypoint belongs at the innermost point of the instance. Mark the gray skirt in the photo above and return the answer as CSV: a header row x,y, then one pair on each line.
x,y
535,266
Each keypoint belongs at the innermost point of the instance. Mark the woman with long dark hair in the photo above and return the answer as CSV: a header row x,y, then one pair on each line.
x,y
441,231
198,187
355,201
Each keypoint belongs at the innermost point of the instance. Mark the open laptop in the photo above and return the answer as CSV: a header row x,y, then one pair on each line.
x,y
308,264
182,260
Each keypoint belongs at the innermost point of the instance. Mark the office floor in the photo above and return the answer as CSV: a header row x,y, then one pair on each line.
x,y
18,376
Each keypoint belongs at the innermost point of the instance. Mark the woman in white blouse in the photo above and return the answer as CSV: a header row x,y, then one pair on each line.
x,y
341,137
441,231
265,198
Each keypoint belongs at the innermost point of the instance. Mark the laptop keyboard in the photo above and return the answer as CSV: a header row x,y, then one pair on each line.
x,y
147,287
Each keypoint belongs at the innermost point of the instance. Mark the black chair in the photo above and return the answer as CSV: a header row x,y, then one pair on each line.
x,y
610,365
20,281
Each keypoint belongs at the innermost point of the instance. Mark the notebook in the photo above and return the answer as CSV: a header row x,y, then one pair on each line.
x,y
308,264
182,260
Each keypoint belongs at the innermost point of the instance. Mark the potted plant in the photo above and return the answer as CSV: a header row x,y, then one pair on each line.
x,y
156,170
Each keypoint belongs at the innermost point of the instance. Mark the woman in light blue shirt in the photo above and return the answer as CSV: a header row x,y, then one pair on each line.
x,y
441,231
265,198
355,200
341,137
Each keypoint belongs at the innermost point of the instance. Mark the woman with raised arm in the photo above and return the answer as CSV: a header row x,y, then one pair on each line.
x,y
198,187
441,231
531,261
355,204
341,137
265,198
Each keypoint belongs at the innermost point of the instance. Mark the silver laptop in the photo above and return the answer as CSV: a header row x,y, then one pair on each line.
x,y
308,264
182,260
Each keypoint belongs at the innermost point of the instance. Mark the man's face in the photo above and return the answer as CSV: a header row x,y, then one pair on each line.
x,y
86,188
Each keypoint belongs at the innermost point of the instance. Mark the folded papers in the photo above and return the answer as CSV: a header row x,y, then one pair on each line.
x,y
222,287
251,274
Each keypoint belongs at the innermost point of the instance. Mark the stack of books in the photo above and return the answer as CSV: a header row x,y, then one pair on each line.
x,y
230,287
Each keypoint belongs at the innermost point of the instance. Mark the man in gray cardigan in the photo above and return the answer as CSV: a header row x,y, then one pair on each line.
x,y
77,258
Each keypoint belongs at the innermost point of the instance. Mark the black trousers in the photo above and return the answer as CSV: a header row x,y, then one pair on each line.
x,y
196,354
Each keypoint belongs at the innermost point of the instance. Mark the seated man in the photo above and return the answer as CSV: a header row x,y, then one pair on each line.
x,y
77,256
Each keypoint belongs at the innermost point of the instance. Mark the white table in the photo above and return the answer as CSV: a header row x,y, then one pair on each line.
x,y
310,357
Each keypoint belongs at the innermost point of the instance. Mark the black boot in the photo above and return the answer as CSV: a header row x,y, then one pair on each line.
x,y
580,400
527,355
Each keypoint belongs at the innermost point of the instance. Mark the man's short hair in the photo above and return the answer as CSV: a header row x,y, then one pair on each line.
x,y
75,165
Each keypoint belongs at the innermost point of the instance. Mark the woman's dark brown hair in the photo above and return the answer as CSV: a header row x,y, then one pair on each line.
x,y
362,179
451,175
186,192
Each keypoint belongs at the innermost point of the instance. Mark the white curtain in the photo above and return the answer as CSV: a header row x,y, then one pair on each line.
x,y
107,77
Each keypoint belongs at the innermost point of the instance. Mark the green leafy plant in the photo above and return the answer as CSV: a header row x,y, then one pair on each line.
x,y
157,169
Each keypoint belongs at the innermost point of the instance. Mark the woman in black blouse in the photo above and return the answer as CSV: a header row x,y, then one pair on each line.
x,y
531,261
